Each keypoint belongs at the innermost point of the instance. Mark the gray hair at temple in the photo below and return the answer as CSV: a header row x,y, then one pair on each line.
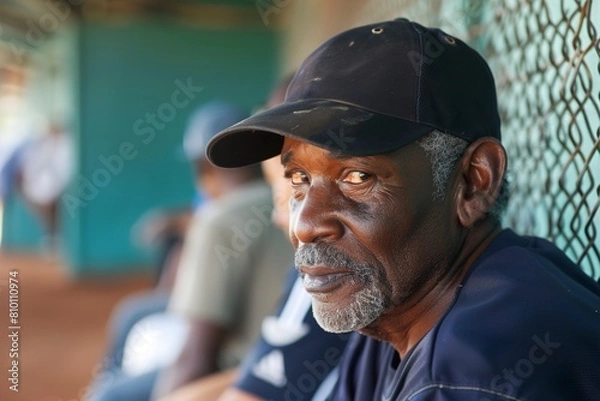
x,y
444,151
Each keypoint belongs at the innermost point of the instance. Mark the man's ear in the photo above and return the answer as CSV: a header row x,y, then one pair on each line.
x,y
480,176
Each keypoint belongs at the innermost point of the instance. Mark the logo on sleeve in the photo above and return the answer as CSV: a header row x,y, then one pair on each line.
x,y
271,369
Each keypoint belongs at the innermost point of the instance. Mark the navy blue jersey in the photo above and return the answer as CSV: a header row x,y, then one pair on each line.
x,y
524,325
295,359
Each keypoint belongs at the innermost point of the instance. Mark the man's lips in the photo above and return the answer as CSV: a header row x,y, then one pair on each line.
x,y
322,279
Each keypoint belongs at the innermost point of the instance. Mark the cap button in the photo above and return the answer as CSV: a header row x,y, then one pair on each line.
x,y
449,39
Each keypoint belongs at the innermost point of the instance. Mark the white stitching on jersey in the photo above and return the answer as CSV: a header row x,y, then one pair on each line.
x,y
441,386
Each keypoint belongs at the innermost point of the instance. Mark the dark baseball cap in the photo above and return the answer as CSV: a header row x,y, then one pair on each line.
x,y
371,90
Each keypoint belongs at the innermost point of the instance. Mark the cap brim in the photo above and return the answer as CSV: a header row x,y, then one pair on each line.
x,y
335,126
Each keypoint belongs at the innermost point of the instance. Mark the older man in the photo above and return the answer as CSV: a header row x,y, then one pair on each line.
x,y
390,138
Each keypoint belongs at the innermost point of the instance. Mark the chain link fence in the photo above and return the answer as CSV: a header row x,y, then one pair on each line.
x,y
545,55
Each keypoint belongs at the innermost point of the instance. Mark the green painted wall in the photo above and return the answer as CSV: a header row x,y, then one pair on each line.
x,y
128,74
135,86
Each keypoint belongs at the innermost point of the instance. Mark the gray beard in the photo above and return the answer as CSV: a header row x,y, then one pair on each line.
x,y
366,306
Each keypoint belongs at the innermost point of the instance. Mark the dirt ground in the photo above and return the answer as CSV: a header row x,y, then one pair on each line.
x,y
62,327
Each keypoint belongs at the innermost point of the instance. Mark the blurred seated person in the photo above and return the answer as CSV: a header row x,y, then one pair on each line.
x,y
230,242
229,275
164,229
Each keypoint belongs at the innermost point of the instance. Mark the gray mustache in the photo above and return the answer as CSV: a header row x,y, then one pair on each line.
x,y
326,255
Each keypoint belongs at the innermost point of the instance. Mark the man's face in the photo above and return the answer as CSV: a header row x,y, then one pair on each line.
x,y
368,234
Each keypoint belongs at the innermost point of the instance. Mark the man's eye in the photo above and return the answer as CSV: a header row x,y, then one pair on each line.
x,y
356,177
298,178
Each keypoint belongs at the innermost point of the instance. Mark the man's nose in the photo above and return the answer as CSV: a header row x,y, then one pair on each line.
x,y
315,218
